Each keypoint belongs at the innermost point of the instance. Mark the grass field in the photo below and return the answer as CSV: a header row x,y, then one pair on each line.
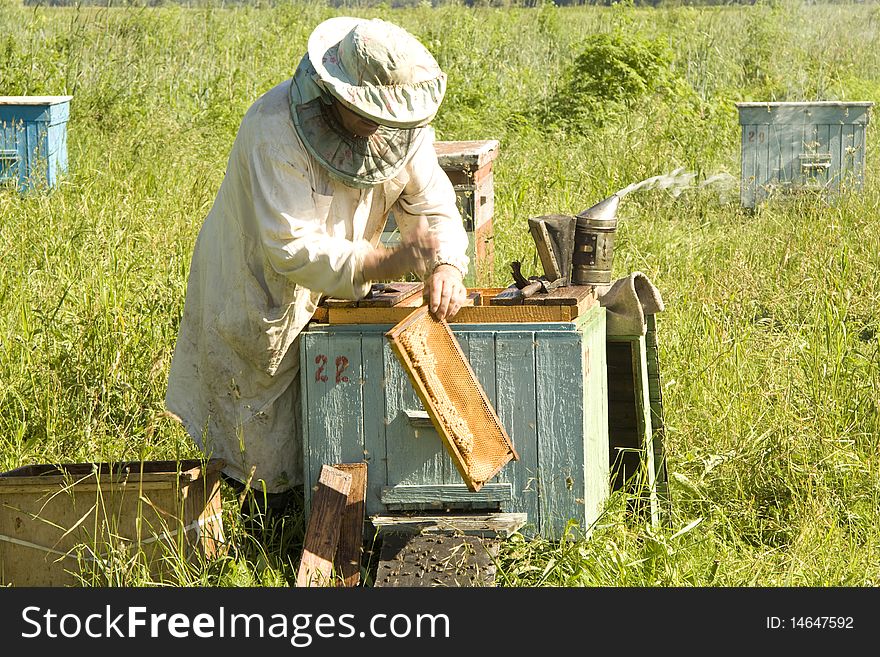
x,y
769,343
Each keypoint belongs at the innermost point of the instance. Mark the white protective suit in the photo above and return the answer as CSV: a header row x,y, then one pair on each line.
x,y
280,234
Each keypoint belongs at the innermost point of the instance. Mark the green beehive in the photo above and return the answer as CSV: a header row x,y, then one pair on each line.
x,y
797,147
546,381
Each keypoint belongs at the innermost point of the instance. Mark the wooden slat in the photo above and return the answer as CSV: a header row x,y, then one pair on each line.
x,y
475,314
382,295
333,302
486,293
335,406
466,315
392,294
571,295
445,493
658,424
501,525
351,536
516,406
504,314
558,368
747,170
322,533
92,487
374,349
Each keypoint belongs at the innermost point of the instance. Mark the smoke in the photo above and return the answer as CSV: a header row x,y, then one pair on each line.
x,y
679,180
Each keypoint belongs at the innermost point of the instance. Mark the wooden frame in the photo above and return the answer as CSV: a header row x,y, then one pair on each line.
x,y
458,370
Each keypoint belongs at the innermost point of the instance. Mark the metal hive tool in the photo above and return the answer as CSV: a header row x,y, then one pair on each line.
x,y
453,397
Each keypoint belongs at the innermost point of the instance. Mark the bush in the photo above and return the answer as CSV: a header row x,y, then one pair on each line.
x,y
613,72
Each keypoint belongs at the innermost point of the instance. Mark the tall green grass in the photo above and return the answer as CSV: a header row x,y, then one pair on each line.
x,y
769,346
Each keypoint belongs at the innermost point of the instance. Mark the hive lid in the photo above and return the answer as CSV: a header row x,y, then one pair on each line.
x,y
453,397
34,100
804,103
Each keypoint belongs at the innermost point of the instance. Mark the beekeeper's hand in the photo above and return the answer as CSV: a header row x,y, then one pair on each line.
x,y
446,291
413,255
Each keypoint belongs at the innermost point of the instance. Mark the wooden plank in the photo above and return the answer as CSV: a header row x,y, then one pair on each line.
x,y
306,342
502,525
392,294
373,351
786,113
485,293
313,345
558,374
834,147
445,494
658,424
367,315
571,295
776,170
86,487
595,404
516,407
761,151
350,547
322,533
848,159
333,302
505,314
59,474
747,179
334,370
823,136
381,295
466,315
640,370
481,355
479,348
860,145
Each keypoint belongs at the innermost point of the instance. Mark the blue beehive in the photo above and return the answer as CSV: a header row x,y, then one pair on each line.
x,y
33,140
546,380
791,147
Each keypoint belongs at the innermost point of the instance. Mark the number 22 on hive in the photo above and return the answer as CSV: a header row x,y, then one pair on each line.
x,y
341,363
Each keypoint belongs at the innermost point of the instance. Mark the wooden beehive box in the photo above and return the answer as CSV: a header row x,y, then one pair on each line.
x,y
67,524
796,147
33,140
546,379
468,164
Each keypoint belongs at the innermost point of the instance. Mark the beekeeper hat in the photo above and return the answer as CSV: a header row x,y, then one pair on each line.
x,y
378,70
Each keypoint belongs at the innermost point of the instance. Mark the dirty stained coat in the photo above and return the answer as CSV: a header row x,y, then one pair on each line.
x,y
280,234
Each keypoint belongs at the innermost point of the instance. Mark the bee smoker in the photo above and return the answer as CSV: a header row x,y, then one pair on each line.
x,y
594,243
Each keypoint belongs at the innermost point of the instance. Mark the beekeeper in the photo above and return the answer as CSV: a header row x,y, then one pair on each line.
x,y
318,163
